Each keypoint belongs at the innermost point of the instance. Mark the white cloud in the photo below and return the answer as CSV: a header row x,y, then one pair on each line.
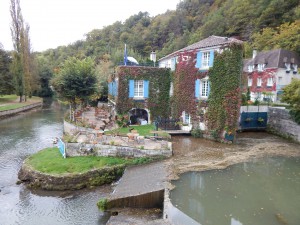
x,y
61,22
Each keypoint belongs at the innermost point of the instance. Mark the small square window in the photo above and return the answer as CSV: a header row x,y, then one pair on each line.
x,y
204,88
249,82
270,82
138,88
259,81
205,59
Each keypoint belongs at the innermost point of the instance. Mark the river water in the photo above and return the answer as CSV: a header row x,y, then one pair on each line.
x,y
262,192
21,136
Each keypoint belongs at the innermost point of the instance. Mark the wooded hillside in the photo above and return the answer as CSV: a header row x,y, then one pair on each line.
x,y
263,24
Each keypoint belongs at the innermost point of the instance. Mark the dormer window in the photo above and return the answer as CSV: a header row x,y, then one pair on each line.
x,y
260,67
250,68
288,67
295,67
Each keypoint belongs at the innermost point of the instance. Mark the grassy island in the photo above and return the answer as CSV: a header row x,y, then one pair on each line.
x,y
48,170
50,161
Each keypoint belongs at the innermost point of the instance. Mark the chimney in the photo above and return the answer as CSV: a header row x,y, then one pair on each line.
x,y
254,54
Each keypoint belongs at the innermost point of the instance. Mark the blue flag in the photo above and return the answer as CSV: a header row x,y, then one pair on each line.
x,y
125,56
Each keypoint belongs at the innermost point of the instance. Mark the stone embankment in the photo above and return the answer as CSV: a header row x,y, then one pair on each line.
x,y
35,179
281,123
11,112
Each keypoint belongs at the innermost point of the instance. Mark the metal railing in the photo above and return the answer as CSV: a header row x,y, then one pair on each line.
x,y
146,64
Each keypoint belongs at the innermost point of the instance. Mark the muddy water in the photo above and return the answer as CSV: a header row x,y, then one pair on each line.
x,y
264,191
21,136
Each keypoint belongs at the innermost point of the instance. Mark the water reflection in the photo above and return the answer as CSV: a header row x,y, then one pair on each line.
x,y
262,192
21,136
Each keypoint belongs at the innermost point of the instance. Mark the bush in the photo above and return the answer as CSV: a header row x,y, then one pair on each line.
x,y
102,204
197,133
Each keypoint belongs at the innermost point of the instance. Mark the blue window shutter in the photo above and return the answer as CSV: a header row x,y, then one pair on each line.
x,y
146,88
208,88
211,58
197,88
199,57
113,88
116,89
131,88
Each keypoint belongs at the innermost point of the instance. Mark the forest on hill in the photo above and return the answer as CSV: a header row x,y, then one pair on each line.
x,y
261,24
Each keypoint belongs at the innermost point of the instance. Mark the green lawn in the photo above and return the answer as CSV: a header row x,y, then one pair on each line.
x,y
7,98
50,161
142,130
12,106
8,102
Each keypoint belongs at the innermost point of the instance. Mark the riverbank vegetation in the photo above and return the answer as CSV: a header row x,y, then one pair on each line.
x,y
50,161
8,102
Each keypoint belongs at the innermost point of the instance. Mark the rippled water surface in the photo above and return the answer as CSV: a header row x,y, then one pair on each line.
x,y
264,192
21,136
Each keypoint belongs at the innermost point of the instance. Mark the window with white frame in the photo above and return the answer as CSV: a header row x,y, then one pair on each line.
x,y
259,81
250,68
260,67
204,88
249,82
205,59
186,118
138,88
270,82
279,80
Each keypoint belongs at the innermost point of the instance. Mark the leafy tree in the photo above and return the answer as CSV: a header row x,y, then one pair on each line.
x,y
286,36
22,65
291,95
76,82
6,84
45,74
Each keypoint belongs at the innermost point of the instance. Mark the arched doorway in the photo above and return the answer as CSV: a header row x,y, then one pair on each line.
x,y
139,116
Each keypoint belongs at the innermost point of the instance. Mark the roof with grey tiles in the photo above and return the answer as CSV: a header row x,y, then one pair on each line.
x,y
273,59
211,41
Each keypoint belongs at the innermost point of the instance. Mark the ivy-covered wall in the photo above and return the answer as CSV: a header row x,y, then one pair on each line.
x,y
184,79
225,95
158,101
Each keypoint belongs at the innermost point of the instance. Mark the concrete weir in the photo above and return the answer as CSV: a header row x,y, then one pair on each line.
x,y
140,187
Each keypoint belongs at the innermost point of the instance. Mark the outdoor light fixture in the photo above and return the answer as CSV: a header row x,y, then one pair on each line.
x,y
153,57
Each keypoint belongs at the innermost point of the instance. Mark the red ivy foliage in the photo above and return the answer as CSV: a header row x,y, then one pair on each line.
x,y
264,75
184,85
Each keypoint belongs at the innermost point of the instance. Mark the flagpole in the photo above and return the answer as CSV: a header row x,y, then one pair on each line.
x,y
125,56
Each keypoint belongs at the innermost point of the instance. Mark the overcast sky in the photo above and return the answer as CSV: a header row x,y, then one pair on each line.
x,y
61,22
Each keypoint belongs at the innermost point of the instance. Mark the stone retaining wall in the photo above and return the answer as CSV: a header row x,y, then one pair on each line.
x,y
280,123
10,112
97,177
81,149
153,199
